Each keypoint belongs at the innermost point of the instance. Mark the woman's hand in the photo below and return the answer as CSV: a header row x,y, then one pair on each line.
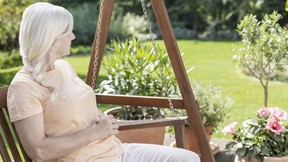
x,y
42,148
107,126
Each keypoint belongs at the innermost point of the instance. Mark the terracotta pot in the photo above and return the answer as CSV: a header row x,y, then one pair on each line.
x,y
153,135
267,159
191,143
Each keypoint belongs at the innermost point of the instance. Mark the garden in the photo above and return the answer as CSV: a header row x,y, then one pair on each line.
x,y
245,61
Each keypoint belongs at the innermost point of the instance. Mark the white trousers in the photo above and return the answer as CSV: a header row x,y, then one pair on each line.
x,y
136,152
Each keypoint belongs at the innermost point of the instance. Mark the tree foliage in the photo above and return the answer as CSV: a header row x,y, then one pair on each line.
x,y
265,48
10,17
209,18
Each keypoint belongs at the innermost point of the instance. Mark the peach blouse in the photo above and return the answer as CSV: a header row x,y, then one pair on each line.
x,y
73,109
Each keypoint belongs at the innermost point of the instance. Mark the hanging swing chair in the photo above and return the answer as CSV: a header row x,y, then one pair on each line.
x,y
187,102
11,148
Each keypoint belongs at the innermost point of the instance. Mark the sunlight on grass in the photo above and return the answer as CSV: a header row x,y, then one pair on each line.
x,y
212,62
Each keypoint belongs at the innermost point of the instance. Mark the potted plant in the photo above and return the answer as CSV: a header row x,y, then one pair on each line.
x,y
261,139
213,106
264,50
133,69
263,54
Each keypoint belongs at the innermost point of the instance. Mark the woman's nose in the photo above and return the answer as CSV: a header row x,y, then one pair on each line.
x,y
72,36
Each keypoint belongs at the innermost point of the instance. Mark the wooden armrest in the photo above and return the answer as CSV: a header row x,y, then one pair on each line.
x,y
139,124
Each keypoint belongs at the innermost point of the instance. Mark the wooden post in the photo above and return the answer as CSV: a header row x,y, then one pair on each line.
x,y
106,18
182,78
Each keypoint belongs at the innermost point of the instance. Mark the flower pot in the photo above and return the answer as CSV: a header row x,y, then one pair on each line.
x,y
276,159
267,159
154,135
191,143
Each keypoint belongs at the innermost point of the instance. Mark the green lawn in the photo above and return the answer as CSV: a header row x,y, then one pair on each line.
x,y
212,62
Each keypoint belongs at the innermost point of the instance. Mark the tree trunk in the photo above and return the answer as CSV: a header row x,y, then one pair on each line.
x,y
266,95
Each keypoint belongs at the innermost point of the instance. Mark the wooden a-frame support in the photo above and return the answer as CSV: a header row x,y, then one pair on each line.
x,y
188,101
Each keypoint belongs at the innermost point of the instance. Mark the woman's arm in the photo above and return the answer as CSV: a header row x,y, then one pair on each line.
x,y
42,148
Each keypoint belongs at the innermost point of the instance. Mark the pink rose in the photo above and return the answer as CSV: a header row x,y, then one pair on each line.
x,y
229,129
263,112
278,113
274,126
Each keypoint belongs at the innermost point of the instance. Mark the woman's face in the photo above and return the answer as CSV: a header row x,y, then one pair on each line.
x,y
64,45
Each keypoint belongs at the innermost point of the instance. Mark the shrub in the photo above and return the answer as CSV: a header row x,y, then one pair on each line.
x,y
85,18
10,17
10,59
133,69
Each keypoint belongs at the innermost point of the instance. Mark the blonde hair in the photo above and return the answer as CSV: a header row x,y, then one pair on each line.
x,y
41,27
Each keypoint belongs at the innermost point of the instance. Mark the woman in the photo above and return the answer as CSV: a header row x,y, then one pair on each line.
x,y
55,112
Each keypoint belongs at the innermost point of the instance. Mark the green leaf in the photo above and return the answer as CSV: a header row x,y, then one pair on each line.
x,y
241,152
230,144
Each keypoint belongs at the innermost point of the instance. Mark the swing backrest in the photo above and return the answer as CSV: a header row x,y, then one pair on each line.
x,y
12,150
10,146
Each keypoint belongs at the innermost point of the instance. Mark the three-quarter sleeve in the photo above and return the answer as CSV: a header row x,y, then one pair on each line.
x,y
23,101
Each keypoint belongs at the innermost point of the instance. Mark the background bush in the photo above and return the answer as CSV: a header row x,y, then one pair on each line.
x,y
10,59
10,16
85,20
192,19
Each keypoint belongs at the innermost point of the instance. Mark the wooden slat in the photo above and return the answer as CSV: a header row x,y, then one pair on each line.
x,y
3,103
3,150
149,101
138,124
9,137
3,96
180,135
25,156
7,132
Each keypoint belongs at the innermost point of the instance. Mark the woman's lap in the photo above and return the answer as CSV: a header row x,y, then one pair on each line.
x,y
136,152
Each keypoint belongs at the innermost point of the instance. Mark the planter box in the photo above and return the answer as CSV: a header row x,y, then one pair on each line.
x,y
191,143
153,135
267,159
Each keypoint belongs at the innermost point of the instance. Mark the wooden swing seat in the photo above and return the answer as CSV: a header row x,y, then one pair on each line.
x,y
12,150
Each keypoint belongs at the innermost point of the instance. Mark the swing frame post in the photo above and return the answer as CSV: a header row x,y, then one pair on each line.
x,y
188,100
106,19
182,78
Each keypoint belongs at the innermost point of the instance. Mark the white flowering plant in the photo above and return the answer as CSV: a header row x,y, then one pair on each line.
x,y
264,136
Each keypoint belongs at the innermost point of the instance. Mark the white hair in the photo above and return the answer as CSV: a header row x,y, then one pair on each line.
x,y
41,26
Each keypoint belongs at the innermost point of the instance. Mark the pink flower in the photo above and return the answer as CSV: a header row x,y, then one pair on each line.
x,y
229,129
274,126
278,113
263,112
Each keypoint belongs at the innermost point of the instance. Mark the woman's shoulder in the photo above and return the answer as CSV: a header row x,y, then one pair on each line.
x,y
22,77
63,65
62,62
22,82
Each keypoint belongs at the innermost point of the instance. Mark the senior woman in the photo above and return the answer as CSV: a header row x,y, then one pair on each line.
x,y
55,112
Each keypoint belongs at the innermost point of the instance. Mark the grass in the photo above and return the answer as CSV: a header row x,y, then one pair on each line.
x,y
212,62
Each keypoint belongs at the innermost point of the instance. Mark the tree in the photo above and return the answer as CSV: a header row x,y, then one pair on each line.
x,y
265,48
